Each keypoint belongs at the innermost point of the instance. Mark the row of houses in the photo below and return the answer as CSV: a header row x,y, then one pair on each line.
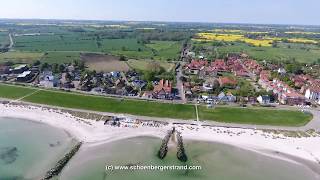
x,y
283,92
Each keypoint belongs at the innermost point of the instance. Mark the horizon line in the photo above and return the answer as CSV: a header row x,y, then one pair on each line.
x,y
163,21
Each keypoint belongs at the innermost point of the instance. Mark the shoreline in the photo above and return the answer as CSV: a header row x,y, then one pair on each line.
x,y
304,151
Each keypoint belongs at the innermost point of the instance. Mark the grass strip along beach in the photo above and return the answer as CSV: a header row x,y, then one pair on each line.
x,y
259,116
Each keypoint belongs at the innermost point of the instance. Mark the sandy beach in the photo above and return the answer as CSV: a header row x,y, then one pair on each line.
x,y
91,132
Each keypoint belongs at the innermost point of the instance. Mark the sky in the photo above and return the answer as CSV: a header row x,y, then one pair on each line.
x,y
305,12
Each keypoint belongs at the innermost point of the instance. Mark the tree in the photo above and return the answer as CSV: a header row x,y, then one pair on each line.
x,y
37,63
149,86
61,68
44,66
55,68
122,58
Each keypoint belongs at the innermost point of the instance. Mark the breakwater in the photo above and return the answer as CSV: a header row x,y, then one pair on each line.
x,y
181,154
164,145
62,162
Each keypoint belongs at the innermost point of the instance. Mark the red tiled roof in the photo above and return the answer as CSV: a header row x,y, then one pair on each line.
x,y
197,64
163,85
227,81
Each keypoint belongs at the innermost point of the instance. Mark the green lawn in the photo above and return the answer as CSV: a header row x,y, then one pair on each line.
x,y
112,105
12,92
155,109
255,116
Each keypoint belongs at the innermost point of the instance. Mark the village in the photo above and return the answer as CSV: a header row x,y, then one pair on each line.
x,y
234,80
237,78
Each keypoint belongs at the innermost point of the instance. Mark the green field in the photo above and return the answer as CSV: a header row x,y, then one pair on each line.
x,y
299,52
67,42
60,57
257,116
156,109
143,64
20,56
4,38
165,49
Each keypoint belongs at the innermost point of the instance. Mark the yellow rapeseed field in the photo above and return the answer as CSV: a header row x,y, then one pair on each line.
x,y
232,38
303,40
266,41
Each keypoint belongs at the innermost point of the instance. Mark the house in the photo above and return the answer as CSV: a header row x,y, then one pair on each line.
x,y
138,84
281,71
241,73
265,99
4,69
163,90
227,82
222,97
20,69
219,65
26,76
209,84
313,93
292,98
66,81
195,66
147,95
47,79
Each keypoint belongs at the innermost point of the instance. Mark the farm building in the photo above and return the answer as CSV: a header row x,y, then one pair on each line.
x,y
25,76
20,69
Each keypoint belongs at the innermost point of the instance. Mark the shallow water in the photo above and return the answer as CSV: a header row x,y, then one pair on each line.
x,y
218,161
28,149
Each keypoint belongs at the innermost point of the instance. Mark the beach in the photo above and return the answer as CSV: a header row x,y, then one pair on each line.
x,y
299,150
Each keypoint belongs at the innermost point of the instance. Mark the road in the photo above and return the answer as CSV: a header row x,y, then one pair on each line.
x,y
11,42
180,84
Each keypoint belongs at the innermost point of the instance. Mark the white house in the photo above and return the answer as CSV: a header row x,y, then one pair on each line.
x,y
263,99
313,93
282,71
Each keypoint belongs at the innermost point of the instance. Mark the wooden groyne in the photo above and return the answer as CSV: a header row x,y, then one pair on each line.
x,y
181,154
164,145
62,162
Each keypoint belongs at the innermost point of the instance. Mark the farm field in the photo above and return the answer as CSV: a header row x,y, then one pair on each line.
x,y
143,64
55,42
233,38
156,109
20,56
161,50
60,57
4,38
103,63
270,53
304,53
